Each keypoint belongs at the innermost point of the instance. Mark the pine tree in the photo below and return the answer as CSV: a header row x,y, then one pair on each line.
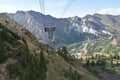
x,y
42,67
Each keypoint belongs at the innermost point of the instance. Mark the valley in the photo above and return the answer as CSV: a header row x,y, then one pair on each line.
x,y
91,41
59,40
91,50
106,66
102,57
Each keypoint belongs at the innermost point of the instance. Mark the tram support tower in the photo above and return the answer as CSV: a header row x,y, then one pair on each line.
x,y
50,29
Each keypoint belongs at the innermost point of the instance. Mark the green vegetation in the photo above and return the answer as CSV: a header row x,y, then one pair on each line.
x,y
101,63
105,45
43,67
73,75
103,55
64,53
13,69
70,74
3,55
109,45
27,66
5,39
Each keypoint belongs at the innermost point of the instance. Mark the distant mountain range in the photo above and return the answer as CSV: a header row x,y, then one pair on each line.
x,y
22,57
68,30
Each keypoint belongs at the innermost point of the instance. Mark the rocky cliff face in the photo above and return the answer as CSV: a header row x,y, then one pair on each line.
x,y
68,30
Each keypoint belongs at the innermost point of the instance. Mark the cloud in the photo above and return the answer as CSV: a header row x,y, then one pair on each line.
x,y
12,9
7,9
113,11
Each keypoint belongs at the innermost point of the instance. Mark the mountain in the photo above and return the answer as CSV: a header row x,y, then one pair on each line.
x,y
101,56
108,45
68,30
22,57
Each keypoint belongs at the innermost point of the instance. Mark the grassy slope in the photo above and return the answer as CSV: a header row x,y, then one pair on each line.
x,y
15,39
103,45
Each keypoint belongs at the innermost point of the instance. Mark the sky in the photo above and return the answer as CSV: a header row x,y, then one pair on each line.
x,y
56,7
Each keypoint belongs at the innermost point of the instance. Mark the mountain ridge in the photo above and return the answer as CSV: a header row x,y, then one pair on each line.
x,y
108,45
68,30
